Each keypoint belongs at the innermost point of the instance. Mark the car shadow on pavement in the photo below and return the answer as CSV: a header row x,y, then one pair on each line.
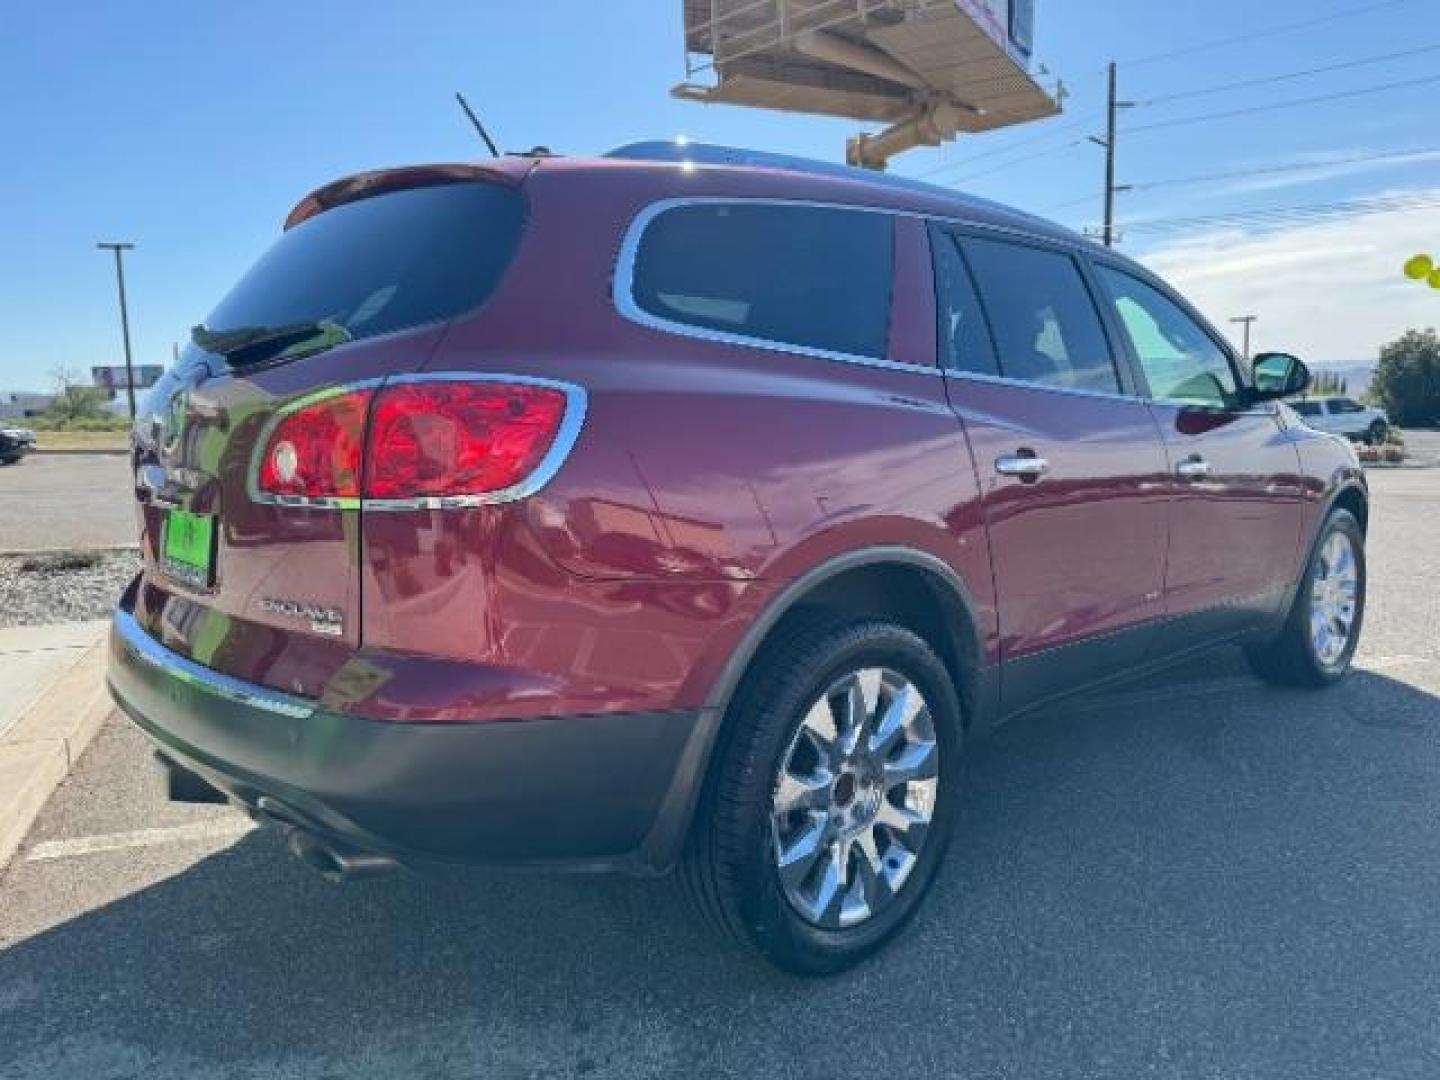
x,y
1226,880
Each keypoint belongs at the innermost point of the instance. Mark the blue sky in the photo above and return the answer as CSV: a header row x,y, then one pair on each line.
x,y
191,129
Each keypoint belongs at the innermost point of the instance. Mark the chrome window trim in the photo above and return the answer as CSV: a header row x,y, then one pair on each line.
x,y
1023,384
142,647
571,424
623,287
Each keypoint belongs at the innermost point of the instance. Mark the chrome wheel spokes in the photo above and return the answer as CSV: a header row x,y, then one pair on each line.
x,y
1334,595
855,797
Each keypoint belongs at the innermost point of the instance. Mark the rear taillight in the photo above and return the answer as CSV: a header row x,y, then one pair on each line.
x,y
458,438
315,450
420,439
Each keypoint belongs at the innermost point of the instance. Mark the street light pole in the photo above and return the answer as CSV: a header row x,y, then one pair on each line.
x,y
119,249
1246,320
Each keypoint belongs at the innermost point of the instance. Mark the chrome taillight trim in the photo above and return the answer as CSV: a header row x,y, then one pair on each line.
x,y
571,424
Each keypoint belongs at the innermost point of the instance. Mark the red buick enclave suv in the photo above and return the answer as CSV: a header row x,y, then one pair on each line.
x,y
692,508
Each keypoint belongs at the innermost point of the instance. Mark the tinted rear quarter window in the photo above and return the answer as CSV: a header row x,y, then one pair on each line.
x,y
814,277
383,263
1045,324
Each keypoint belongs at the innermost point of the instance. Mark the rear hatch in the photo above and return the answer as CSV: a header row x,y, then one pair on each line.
x,y
268,588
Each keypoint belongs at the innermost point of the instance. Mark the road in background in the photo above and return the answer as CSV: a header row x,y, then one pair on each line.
x,y
1192,876
66,501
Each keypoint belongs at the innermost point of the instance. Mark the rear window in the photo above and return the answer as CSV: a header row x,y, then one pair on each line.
x,y
383,263
814,277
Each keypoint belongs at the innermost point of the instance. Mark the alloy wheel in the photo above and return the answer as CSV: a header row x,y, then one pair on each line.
x,y
855,798
1333,599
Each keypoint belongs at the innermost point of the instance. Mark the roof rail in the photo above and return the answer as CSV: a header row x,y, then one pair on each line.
x,y
681,150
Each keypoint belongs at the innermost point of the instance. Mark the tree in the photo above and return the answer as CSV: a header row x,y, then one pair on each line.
x,y
1407,379
75,400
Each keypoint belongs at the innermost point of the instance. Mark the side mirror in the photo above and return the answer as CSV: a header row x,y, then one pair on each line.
x,y
1278,375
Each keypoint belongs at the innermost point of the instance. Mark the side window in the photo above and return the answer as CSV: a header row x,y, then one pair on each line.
x,y
1345,405
809,276
963,337
1307,408
1182,363
1045,324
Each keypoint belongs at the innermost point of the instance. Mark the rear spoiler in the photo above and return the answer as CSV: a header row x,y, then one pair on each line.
x,y
510,171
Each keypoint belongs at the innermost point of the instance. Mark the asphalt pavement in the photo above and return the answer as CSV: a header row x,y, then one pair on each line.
x,y
66,501
1194,876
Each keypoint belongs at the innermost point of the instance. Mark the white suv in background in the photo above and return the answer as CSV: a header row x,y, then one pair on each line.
x,y
1343,416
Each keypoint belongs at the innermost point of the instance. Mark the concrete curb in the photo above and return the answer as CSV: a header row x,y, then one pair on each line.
x,y
43,746
82,549
113,451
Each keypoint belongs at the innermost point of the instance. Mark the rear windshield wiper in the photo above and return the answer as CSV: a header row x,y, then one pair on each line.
x,y
245,345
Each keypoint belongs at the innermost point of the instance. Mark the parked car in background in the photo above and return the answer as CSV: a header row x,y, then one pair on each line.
x,y
1344,416
696,509
15,443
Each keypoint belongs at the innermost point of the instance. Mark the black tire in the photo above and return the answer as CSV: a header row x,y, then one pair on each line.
x,y
1376,433
729,868
1291,659
11,460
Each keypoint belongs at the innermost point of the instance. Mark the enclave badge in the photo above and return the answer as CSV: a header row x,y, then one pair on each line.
x,y
323,620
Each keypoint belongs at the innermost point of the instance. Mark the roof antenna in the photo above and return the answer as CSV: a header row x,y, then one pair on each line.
x,y
476,121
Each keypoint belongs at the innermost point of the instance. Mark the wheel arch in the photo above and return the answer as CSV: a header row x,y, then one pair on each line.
x,y
913,587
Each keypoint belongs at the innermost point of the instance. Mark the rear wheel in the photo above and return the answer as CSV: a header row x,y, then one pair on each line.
x,y
1323,628
831,801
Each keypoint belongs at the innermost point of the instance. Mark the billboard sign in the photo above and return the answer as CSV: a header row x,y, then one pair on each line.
x,y
1009,23
112,377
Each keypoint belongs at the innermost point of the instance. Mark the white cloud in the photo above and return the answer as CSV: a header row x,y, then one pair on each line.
x,y
1331,292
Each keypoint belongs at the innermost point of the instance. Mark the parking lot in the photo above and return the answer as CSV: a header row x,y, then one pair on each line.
x,y
1192,876
66,500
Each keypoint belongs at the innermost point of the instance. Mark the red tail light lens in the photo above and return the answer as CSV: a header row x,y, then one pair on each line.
x,y
458,438
315,451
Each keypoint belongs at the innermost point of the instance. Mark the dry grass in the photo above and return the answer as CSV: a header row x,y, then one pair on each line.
x,y
82,440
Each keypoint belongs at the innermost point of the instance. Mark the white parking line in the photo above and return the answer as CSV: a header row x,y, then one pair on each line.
x,y
229,828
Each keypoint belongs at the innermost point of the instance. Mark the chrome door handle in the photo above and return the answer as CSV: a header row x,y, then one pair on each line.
x,y
1193,468
1024,464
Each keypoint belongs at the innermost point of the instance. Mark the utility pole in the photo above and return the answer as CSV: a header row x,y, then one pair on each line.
x,y
1247,320
119,249
1113,107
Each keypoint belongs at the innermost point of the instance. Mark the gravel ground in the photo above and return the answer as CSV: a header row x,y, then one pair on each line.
x,y
69,587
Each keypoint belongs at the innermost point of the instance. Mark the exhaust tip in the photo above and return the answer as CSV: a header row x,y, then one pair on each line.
x,y
335,863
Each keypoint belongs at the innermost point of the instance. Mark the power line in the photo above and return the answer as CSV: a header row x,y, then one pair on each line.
x,y
1019,161
1045,136
1273,106
1255,35
1309,166
1292,215
1267,80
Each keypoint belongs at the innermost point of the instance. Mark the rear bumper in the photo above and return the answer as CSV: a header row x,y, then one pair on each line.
x,y
577,792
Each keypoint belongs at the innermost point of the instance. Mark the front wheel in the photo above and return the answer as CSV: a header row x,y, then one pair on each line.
x,y
1376,433
1323,628
831,801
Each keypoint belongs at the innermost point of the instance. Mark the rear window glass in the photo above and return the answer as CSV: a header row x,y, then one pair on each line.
x,y
1046,327
809,276
383,263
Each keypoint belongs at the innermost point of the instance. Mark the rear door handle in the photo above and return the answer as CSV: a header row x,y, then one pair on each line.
x,y
1024,463
1193,468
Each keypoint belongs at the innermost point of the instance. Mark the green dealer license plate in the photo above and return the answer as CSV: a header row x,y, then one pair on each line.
x,y
187,550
